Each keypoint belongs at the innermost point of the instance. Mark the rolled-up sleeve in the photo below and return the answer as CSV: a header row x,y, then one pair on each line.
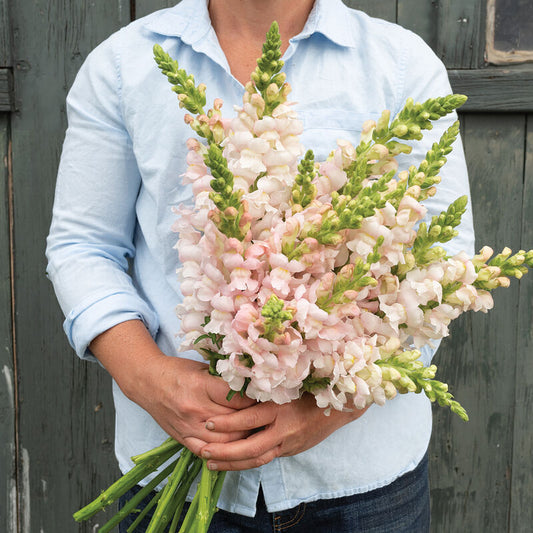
x,y
94,218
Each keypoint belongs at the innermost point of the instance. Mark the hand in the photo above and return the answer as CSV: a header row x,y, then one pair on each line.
x,y
179,394
286,430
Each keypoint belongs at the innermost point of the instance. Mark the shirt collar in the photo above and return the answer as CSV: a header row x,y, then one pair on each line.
x,y
189,20
330,18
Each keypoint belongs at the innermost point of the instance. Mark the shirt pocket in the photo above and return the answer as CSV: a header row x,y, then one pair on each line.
x,y
323,127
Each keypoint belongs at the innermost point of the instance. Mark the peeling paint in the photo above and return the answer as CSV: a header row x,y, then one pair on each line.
x,y
12,499
25,493
8,375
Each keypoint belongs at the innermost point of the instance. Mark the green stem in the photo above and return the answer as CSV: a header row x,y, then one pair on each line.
x,y
175,520
122,485
183,489
132,504
168,445
204,504
190,516
217,489
144,512
164,513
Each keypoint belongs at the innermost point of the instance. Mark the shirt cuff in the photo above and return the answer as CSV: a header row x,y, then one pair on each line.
x,y
91,318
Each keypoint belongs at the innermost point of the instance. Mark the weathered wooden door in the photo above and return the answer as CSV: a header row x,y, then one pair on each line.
x,y
56,414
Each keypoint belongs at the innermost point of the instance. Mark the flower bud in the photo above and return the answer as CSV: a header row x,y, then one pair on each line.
x,y
517,259
400,130
346,272
390,390
408,356
231,212
383,121
407,383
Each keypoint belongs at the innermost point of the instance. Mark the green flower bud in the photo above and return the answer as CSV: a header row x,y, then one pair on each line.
x,y
400,130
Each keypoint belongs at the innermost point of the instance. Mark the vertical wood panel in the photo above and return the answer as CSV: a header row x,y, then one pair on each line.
x,y
420,17
8,507
384,9
460,33
471,464
522,471
5,35
66,446
145,7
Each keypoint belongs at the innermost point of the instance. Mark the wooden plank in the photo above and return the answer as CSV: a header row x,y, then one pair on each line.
x,y
145,7
5,35
460,33
6,90
65,440
383,9
8,501
522,472
506,89
471,463
420,17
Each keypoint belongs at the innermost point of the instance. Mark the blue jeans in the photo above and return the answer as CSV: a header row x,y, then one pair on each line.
x,y
401,507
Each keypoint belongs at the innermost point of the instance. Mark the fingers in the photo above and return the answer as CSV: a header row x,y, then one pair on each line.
x,y
240,402
193,444
248,419
217,391
256,450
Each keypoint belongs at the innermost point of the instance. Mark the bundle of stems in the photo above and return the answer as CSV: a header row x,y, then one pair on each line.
x,y
180,468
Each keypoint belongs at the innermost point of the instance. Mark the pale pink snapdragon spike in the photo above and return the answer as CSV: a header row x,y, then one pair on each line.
x,y
331,177
459,268
409,212
233,371
197,172
227,282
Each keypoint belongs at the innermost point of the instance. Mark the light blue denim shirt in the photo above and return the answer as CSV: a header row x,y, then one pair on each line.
x,y
120,175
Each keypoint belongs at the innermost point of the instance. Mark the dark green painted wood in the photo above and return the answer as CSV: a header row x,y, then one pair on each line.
x,y
471,463
145,7
498,89
6,90
8,515
420,17
460,33
384,9
522,472
66,445
5,35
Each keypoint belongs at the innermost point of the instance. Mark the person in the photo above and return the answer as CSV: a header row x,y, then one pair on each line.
x,y
112,261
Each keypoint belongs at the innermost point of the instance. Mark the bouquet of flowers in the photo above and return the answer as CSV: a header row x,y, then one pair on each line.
x,y
308,277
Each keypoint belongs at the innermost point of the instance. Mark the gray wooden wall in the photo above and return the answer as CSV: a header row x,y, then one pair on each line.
x,y
56,413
